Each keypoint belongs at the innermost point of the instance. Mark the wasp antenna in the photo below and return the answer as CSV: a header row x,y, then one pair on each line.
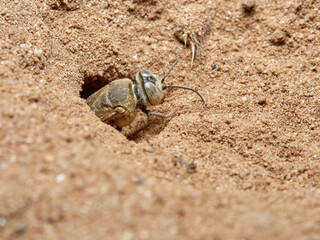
x,y
164,78
191,89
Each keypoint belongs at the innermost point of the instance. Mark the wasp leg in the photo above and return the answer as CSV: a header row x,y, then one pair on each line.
x,y
160,114
156,113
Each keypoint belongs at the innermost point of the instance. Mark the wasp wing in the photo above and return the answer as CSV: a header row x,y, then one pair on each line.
x,y
95,96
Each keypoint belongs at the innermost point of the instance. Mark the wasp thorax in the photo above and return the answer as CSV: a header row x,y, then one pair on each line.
x,y
151,87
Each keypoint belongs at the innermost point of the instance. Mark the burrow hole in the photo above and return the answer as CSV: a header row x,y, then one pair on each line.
x,y
91,84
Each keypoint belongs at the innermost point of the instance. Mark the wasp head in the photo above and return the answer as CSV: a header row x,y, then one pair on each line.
x,y
151,87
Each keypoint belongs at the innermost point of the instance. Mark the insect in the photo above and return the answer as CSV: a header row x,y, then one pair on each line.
x,y
117,102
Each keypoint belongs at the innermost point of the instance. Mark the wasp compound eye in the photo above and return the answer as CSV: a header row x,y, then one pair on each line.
x,y
147,79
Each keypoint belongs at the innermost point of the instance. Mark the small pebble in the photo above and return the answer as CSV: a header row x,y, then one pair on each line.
x,y
105,5
38,52
147,148
3,222
191,168
278,37
312,126
248,6
139,180
247,186
247,69
260,68
311,37
213,66
262,101
21,229
60,178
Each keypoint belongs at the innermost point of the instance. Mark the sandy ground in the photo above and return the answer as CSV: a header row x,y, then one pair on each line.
x,y
255,144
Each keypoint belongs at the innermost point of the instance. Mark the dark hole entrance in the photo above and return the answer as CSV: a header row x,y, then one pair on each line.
x,y
92,83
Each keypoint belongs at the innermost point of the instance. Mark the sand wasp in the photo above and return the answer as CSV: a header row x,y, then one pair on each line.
x,y
117,102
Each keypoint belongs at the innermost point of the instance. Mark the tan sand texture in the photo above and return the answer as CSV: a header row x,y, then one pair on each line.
x,y
244,166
